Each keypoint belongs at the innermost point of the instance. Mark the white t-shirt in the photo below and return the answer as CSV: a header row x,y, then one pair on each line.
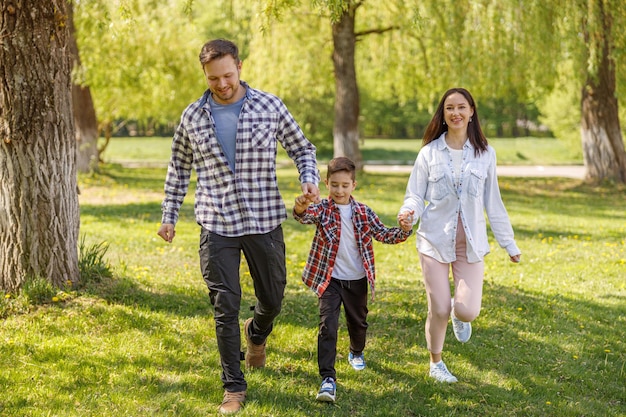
x,y
348,264
457,164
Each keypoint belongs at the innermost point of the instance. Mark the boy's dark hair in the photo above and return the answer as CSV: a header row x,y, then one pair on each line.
x,y
218,48
339,164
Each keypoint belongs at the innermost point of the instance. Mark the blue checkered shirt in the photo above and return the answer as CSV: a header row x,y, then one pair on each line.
x,y
246,201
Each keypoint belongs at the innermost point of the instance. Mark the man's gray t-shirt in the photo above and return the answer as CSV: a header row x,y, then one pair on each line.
x,y
226,117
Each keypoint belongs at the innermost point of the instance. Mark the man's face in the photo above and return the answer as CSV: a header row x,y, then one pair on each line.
x,y
222,76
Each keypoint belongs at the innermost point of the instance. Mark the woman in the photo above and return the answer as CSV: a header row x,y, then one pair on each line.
x,y
452,185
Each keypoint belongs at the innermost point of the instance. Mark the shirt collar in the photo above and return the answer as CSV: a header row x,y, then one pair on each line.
x,y
441,143
250,93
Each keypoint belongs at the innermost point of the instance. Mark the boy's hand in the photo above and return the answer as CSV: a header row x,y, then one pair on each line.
x,y
405,220
302,202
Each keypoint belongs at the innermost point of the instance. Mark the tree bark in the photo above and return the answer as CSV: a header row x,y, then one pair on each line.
x,y
85,120
602,143
346,126
39,214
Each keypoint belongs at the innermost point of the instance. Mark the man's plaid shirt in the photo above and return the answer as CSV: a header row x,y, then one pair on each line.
x,y
327,217
246,201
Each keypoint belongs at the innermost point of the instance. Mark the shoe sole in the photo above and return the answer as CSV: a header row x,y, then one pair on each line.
x,y
325,397
445,381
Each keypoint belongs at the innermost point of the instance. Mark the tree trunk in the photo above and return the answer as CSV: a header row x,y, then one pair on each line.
x,y
346,127
39,215
85,120
602,143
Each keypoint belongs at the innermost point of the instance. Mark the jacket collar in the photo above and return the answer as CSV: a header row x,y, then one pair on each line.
x,y
441,143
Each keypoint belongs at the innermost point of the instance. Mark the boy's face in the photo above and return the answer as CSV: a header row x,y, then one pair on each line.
x,y
340,185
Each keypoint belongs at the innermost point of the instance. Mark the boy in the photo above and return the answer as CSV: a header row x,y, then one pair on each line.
x,y
341,264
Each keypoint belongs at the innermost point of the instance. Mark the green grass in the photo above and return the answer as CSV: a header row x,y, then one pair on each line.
x,y
515,151
551,339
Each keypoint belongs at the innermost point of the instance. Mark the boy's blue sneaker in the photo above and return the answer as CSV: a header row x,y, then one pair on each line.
x,y
327,391
357,361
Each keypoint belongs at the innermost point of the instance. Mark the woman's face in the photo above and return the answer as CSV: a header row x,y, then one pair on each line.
x,y
457,111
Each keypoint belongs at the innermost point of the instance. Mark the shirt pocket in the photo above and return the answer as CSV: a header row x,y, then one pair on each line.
x,y
437,188
264,127
328,230
476,183
202,139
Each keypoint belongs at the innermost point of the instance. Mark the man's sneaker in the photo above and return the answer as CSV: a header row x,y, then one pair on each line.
x,y
440,372
462,329
327,390
255,354
357,361
232,403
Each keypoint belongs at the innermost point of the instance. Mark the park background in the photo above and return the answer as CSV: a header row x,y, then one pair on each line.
x,y
135,337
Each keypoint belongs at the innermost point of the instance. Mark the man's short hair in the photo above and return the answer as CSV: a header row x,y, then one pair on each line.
x,y
216,49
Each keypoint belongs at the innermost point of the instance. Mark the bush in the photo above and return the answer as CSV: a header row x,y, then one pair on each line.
x,y
91,263
38,290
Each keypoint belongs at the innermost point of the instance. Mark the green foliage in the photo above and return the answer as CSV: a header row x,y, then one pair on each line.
x,y
564,124
140,60
140,57
92,264
38,290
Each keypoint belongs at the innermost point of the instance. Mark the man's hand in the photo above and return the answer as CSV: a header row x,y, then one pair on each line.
x,y
167,232
311,192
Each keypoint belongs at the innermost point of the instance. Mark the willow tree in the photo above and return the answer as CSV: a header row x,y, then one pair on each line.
x,y
494,48
39,216
601,27
85,120
346,31
407,51
139,59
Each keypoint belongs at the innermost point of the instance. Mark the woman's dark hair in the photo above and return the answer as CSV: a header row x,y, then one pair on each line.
x,y
436,126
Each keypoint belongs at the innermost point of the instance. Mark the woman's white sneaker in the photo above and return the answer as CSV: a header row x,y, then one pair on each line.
x,y
462,329
439,372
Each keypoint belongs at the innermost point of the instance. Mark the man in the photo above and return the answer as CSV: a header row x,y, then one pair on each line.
x,y
229,136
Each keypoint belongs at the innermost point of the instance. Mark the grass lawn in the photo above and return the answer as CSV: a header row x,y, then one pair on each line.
x,y
512,151
551,339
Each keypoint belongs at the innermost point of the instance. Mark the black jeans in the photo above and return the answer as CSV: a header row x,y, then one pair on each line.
x,y
353,296
220,259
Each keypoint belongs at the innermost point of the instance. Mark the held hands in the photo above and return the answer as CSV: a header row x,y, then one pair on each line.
x,y
302,202
167,232
311,192
405,220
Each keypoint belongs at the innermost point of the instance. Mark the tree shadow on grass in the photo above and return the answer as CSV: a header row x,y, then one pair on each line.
x,y
146,211
542,351
546,352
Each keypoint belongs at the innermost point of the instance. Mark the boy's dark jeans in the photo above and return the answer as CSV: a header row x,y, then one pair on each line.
x,y
353,296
